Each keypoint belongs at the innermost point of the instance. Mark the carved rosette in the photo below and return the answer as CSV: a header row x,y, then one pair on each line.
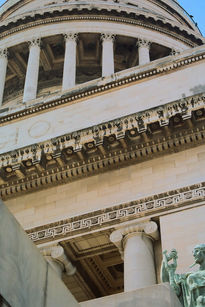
x,y
3,53
143,43
70,36
107,37
36,41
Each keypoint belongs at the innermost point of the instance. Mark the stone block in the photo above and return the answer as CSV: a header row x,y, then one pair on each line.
x,y
156,296
26,279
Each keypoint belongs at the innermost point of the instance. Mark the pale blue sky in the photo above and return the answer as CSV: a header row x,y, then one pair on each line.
x,y
195,8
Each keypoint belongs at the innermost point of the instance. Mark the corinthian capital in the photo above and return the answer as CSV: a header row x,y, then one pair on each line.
x,y
3,53
107,37
36,41
70,36
143,43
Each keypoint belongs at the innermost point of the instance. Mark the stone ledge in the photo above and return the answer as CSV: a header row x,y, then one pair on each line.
x,y
156,296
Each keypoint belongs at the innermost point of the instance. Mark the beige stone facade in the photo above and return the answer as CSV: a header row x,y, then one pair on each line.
x,y
102,128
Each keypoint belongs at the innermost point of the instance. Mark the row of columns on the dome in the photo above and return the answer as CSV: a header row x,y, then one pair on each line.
x,y
69,70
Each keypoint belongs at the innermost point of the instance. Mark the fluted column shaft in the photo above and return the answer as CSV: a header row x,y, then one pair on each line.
x,y
3,68
31,81
135,243
143,51
69,69
107,54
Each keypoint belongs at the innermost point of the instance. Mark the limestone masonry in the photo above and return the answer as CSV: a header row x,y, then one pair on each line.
x,y
102,129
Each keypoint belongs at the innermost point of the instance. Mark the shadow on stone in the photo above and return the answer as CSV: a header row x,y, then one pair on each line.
x,y
26,279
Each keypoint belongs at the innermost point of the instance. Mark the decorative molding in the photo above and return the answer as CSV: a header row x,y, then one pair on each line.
x,y
126,20
140,121
95,89
121,213
119,141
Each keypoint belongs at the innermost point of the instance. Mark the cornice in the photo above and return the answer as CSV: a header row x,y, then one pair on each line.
x,y
97,88
123,141
103,12
124,212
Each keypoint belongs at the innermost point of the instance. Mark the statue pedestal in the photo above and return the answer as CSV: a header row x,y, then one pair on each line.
x,y
155,296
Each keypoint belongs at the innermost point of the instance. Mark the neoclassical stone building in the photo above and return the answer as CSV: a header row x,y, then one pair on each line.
x,y
102,133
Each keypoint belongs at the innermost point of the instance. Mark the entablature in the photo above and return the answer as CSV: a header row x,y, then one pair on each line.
x,y
107,219
130,139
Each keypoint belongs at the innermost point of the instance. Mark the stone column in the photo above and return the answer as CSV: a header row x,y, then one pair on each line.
x,y
107,54
31,81
135,245
3,67
56,257
143,51
69,69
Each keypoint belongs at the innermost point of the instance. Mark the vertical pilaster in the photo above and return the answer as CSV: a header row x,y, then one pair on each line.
x,y
107,54
31,81
143,51
69,69
135,244
3,67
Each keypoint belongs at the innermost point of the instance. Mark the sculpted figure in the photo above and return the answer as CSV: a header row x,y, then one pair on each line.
x,y
189,287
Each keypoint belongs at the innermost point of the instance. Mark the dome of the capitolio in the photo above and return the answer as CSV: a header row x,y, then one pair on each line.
x,y
161,25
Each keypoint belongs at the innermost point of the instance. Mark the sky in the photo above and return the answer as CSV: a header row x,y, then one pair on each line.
x,y
196,8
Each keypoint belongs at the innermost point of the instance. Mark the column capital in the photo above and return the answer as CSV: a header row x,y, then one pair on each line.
x,y
3,53
119,236
36,41
107,37
70,36
57,254
143,43
174,52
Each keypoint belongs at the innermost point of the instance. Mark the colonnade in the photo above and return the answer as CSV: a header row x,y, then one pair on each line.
x,y
135,244
69,69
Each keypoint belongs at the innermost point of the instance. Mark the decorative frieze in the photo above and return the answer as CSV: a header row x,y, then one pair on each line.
x,y
124,212
162,115
119,142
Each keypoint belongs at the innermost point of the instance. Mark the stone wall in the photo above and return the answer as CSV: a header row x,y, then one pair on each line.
x,y
156,296
107,189
183,230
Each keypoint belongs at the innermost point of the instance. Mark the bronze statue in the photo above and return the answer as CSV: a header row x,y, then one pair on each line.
x,y
189,287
